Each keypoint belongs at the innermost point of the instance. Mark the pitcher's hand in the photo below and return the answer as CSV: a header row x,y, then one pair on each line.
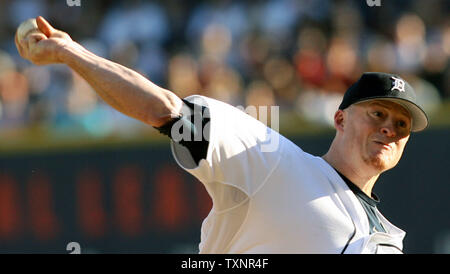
x,y
43,48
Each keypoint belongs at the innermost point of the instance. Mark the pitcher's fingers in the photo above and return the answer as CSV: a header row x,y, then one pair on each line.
x,y
45,26
33,38
31,41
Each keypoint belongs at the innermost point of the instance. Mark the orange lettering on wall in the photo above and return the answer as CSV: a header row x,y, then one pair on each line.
x,y
170,202
90,210
10,211
127,193
43,220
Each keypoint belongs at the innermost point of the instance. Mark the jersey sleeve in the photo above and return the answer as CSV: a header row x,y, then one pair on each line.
x,y
242,152
197,148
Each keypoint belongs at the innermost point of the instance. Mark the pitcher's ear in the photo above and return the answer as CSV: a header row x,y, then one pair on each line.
x,y
339,119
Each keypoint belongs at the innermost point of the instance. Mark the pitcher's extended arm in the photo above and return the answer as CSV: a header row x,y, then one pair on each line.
x,y
124,89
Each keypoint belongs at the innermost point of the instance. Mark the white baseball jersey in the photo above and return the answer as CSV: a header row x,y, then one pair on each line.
x,y
280,200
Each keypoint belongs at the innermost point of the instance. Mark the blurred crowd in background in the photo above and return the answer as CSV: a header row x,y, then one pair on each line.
x,y
300,55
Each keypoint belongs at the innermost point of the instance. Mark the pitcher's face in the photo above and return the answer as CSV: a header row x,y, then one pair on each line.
x,y
376,132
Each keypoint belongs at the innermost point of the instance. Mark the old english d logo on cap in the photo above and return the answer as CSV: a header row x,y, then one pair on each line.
x,y
399,84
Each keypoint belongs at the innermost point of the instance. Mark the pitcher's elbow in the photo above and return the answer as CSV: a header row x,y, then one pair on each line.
x,y
168,109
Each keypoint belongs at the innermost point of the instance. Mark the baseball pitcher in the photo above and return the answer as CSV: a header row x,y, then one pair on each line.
x,y
281,200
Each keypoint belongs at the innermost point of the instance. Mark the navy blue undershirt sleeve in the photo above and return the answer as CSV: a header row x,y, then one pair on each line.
x,y
198,149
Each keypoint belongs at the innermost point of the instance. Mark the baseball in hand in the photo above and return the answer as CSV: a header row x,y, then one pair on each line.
x,y
26,28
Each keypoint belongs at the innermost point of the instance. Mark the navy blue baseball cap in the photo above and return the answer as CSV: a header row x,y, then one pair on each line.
x,y
384,86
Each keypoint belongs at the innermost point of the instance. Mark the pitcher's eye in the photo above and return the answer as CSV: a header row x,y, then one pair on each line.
x,y
402,124
377,113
